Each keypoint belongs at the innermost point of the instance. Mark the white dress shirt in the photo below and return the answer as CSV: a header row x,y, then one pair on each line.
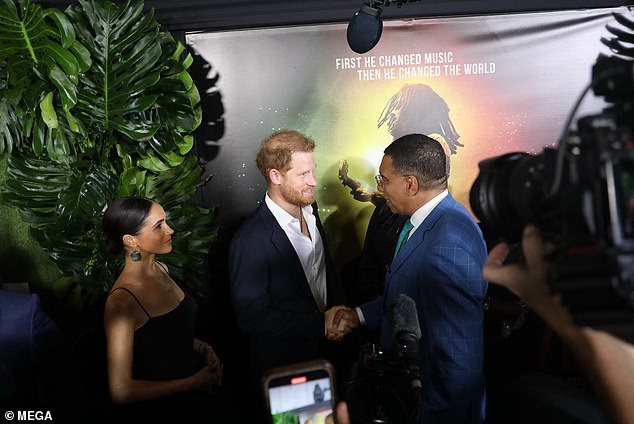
x,y
310,250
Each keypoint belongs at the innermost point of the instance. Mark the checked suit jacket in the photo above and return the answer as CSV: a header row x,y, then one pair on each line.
x,y
440,268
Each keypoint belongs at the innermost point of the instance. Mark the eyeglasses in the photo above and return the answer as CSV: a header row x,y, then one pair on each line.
x,y
380,179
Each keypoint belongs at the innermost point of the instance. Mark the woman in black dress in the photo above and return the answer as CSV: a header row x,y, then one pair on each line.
x,y
157,368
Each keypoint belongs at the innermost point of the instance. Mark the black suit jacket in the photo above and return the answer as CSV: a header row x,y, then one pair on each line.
x,y
271,296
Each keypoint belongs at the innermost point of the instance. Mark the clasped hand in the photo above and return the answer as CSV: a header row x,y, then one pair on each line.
x,y
340,321
211,373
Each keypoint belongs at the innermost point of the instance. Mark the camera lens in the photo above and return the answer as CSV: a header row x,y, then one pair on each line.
x,y
505,194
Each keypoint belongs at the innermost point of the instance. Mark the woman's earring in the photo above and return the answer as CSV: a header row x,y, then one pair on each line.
x,y
135,255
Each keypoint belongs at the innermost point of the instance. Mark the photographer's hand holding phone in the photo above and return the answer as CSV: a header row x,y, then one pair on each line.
x,y
302,392
343,417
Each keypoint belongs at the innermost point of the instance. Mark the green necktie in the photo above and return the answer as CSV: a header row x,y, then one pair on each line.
x,y
403,235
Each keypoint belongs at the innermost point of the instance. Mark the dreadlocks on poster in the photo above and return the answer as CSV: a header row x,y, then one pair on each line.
x,y
483,86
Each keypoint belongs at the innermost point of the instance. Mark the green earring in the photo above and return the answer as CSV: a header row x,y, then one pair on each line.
x,y
135,255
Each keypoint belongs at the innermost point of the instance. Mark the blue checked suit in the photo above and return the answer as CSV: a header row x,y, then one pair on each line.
x,y
440,267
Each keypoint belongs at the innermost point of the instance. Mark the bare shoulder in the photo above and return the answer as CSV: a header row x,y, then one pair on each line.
x,y
163,266
123,298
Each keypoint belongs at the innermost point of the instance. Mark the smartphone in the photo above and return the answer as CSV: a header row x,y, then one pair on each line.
x,y
303,393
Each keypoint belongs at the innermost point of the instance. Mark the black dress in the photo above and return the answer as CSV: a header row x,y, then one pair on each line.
x,y
163,350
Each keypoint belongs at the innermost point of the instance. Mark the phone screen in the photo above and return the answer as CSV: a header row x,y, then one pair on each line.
x,y
303,396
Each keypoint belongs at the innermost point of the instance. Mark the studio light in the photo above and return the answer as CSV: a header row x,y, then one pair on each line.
x,y
366,25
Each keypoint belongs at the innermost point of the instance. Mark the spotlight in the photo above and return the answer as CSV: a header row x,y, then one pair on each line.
x,y
365,27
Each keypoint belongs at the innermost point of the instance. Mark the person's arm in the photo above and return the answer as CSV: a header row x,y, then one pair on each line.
x,y
356,190
607,360
119,322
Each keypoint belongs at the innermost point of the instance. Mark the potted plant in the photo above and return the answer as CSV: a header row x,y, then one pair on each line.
x,y
96,102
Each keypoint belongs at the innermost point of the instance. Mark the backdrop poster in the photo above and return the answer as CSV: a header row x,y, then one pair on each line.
x,y
486,85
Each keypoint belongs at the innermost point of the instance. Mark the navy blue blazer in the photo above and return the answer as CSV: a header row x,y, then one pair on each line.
x,y
271,296
440,267
36,371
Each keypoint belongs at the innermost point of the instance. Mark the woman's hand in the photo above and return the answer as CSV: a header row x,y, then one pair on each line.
x,y
207,378
213,363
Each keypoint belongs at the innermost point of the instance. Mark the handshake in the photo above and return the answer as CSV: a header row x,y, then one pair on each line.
x,y
340,321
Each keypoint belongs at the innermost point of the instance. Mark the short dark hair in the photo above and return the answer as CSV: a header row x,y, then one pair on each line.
x,y
422,157
277,149
125,215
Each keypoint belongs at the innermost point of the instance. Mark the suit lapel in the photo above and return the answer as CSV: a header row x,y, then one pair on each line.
x,y
285,249
419,235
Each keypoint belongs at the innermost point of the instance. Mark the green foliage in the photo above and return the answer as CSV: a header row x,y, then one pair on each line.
x,y
285,418
96,102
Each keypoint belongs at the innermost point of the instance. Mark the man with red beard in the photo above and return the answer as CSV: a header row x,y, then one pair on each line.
x,y
283,283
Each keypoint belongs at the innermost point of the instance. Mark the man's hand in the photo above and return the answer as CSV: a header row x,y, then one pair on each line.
x,y
340,320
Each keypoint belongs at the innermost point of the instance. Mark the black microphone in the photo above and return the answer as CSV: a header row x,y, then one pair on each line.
x,y
403,316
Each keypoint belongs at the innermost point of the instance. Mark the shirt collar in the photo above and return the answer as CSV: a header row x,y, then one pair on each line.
x,y
283,218
423,212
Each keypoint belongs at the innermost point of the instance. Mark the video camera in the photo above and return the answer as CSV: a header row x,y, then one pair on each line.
x,y
388,387
581,196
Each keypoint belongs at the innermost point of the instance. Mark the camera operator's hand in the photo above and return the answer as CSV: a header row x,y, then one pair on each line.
x,y
527,279
607,360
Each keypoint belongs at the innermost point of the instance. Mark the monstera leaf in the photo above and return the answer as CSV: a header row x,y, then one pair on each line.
x,y
138,91
92,110
40,62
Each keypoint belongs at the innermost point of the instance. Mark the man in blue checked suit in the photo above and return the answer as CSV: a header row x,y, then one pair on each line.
x,y
440,267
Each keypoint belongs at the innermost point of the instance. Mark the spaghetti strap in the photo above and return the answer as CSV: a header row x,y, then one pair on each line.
x,y
134,297
163,267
